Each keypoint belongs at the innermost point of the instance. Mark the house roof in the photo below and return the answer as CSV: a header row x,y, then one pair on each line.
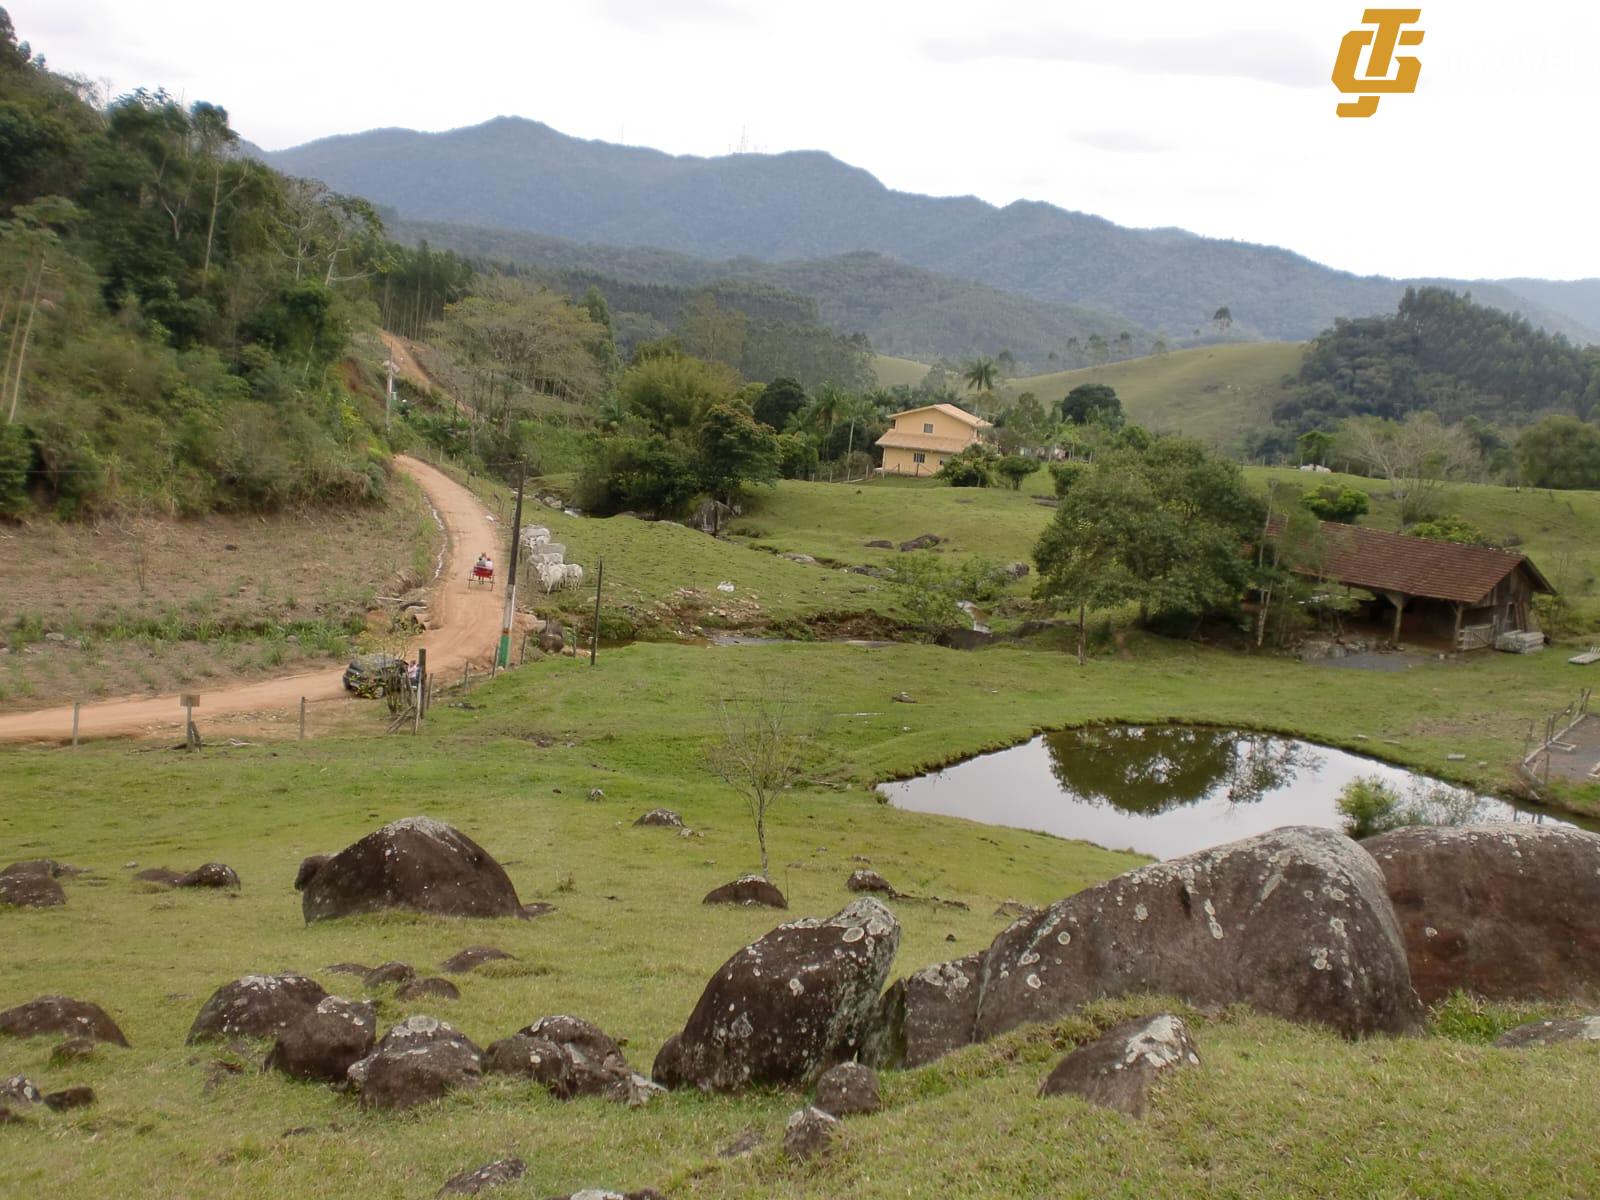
x,y
949,410
899,439
1413,566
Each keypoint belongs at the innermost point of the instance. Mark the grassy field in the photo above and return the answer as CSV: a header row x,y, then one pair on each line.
x,y
1214,393
1274,1110
892,371
145,605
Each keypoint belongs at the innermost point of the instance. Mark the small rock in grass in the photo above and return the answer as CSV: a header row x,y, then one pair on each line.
x,y
848,1089
211,875
743,1146
19,1090
58,1014
472,958
418,989
256,1006
162,875
490,1175
390,973
747,890
864,880
1119,1068
74,1049
30,891
69,1098
661,816
810,1132
1548,1033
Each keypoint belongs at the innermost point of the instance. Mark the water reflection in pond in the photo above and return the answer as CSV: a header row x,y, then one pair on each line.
x,y
1164,790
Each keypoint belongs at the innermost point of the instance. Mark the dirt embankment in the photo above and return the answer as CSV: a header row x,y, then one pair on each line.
x,y
464,627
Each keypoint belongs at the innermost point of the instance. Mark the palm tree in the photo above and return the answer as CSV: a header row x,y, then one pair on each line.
x,y
825,407
981,374
858,410
1222,317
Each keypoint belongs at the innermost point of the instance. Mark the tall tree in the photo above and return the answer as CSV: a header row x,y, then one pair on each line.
x,y
981,374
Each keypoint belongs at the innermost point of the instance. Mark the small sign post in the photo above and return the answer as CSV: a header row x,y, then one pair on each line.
x,y
191,735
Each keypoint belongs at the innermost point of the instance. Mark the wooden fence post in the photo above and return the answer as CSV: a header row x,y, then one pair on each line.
x,y
302,718
75,707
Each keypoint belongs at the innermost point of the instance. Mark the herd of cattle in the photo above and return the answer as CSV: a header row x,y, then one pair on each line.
x,y
548,559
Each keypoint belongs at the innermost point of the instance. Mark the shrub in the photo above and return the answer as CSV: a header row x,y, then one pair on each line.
x,y
16,455
1369,806
1065,474
973,467
1333,502
1014,469
1449,529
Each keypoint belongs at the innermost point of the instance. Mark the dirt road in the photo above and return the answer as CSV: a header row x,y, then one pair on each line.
x,y
463,627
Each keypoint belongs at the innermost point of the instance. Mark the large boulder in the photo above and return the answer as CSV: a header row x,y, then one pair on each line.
x,y
1508,912
418,1060
941,1010
60,1015
256,1006
30,890
1119,1068
1295,922
415,863
788,1006
323,1042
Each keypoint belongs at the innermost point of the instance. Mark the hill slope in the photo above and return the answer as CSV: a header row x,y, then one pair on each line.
x,y
1216,393
521,174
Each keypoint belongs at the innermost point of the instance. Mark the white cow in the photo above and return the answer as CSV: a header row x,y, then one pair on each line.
x,y
572,575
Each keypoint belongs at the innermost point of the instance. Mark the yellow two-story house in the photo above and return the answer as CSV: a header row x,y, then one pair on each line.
x,y
920,439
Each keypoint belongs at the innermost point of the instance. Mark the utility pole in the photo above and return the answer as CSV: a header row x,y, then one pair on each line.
x,y
504,655
388,394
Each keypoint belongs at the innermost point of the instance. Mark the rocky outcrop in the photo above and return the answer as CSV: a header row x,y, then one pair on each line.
x,y
1549,1033
417,1061
416,863
1119,1068
472,958
788,1006
749,890
847,1090
325,1041
1507,912
256,1006
1295,922
61,1015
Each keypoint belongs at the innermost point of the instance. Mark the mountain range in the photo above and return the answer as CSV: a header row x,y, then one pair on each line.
x,y
521,175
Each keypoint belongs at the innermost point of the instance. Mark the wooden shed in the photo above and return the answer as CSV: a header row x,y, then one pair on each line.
x,y
1469,595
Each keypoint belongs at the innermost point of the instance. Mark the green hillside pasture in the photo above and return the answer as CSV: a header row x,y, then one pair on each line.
x,y
1215,393
1273,1109
893,372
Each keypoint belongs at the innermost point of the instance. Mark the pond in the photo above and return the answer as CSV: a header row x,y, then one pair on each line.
x,y
1167,790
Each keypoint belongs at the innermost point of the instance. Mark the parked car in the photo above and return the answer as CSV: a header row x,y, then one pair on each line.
x,y
374,676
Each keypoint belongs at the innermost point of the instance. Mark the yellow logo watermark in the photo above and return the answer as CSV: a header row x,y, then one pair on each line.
x,y
1383,38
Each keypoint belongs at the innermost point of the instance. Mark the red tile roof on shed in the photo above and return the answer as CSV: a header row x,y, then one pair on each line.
x,y
1413,566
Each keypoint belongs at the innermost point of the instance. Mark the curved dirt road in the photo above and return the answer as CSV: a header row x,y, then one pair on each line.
x,y
464,626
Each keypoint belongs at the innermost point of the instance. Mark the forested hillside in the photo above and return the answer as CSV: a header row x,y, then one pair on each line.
x,y
902,310
520,174
1441,352
173,314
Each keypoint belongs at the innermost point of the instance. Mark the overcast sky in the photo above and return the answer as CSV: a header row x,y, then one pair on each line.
x,y
1218,118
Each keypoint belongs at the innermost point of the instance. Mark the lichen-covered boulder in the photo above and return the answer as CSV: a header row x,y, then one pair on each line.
x,y
61,1015
1507,912
538,1059
941,1010
323,1042
308,868
31,890
848,1089
571,1057
256,1006
389,974
1548,1033
430,988
69,1098
749,890
209,875
1295,922
788,1006
1119,1068
419,1060
416,863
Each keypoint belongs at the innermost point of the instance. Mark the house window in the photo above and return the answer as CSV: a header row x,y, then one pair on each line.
x,y
919,456
927,427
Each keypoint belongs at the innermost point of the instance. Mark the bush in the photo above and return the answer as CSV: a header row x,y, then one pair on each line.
x,y
1370,807
1014,469
973,467
1065,474
1332,502
649,474
1449,529
16,456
